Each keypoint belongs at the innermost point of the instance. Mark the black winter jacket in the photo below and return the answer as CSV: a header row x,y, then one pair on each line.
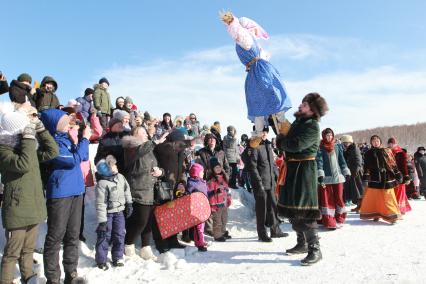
x,y
139,160
111,144
261,166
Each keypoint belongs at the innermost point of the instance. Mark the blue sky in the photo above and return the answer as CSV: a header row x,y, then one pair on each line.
x,y
361,55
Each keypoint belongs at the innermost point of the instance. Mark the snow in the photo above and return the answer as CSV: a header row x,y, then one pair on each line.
x,y
360,252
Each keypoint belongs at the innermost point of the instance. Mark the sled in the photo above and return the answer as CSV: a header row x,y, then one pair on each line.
x,y
182,213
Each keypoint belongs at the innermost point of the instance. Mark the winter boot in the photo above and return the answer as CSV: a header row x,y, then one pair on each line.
x,y
264,238
314,252
358,206
277,233
129,250
147,254
300,247
103,266
118,263
73,278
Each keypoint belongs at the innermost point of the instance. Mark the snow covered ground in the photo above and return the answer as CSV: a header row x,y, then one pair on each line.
x,y
360,252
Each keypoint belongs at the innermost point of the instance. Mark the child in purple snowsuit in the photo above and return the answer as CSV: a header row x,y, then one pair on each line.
x,y
196,183
113,205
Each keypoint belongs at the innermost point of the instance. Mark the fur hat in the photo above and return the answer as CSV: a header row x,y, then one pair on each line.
x,y
317,104
421,148
63,122
103,80
24,77
195,170
14,122
347,139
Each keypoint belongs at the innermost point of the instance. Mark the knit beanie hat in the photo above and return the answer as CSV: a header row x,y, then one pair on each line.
x,y
14,122
103,168
347,139
195,170
175,135
113,121
128,100
214,162
103,80
24,77
88,91
120,114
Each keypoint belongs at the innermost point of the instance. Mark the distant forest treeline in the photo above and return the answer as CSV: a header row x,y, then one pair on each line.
x,y
408,136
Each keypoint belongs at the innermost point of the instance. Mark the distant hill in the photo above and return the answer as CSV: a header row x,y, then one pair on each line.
x,y
408,136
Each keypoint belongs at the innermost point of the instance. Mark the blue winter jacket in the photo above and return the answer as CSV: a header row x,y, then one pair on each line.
x,y
332,166
84,107
66,178
196,185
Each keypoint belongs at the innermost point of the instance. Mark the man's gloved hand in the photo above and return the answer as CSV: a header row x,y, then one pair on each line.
x,y
321,181
29,131
407,180
398,177
128,210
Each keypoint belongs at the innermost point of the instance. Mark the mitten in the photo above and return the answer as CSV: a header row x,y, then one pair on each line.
x,y
39,126
407,180
102,227
284,127
29,131
128,210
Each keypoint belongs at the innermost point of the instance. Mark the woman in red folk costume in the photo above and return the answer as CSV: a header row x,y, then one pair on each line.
x,y
401,162
332,172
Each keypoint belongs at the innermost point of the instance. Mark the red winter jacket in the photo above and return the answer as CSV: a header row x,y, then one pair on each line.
x,y
218,193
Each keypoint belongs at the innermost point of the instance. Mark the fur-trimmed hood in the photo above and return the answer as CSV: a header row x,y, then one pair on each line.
x,y
131,142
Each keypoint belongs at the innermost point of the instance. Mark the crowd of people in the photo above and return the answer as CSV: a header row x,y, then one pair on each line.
x,y
45,170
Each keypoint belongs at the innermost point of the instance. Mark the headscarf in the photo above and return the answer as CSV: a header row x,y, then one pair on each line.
x,y
328,146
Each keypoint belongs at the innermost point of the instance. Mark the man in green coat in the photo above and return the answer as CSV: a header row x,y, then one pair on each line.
x,y
102,102
24,206
298,198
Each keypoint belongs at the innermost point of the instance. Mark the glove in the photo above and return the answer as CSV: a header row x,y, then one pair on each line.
x,y
39,126
29,131
407,180
347,177
321,181
102,229
398,177
128,210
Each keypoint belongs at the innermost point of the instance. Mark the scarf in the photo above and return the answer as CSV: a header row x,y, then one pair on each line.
x,y
328,146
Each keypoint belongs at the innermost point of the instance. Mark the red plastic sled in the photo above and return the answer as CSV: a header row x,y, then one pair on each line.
x,y
182,213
